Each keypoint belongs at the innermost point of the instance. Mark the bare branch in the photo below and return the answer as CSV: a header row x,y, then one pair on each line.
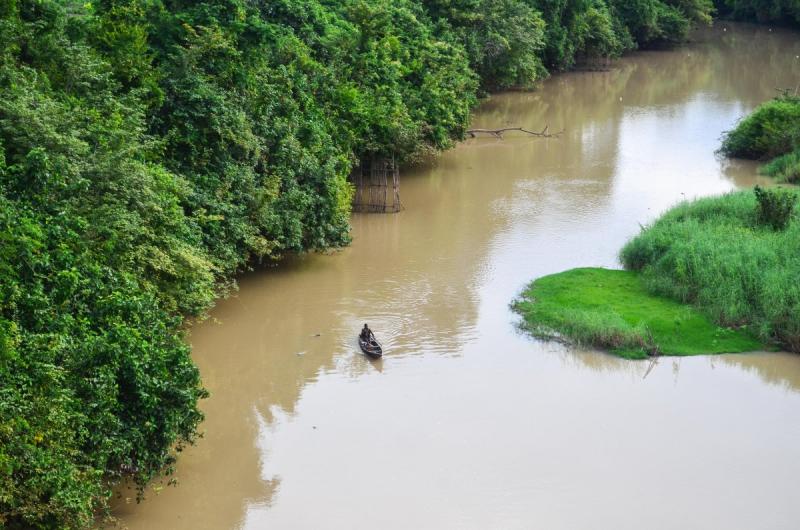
x,y
498,133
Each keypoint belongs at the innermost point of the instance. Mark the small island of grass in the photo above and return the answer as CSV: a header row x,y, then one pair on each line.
x,y
713,275
611,309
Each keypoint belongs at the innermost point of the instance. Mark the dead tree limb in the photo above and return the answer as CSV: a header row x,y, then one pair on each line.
x,y
498,133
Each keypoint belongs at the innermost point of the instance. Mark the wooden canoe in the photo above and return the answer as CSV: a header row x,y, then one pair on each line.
x,y
371,347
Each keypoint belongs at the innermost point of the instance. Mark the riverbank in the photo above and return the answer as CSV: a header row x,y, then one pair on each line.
x,y
714,275
150,152
461,392
733,256
613,310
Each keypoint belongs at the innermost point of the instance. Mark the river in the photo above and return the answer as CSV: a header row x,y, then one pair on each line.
x,y
466,422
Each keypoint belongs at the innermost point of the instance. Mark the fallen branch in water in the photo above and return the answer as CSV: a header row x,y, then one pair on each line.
x,y
499,132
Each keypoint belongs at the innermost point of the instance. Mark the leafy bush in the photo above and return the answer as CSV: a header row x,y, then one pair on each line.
x,y
772,129
774,207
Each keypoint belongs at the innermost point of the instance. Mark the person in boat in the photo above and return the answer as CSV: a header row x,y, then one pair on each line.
x,y
366,333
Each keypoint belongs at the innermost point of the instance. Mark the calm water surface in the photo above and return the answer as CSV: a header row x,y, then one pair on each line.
x,y
466,423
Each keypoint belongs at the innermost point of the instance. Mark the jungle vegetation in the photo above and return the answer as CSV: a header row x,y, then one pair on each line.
x,y
151,149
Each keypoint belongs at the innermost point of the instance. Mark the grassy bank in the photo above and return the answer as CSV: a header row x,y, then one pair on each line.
x,y
613,310
785,168
735,257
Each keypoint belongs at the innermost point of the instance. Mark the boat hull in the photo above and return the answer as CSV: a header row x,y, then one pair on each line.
x,y
370,348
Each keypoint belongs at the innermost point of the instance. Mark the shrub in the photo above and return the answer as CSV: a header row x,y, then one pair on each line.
x,y
773,129
775,207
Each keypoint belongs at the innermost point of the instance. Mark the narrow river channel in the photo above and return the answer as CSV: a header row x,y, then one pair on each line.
x,y
467,423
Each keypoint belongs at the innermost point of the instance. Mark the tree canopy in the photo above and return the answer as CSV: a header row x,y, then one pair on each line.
x,y
780,11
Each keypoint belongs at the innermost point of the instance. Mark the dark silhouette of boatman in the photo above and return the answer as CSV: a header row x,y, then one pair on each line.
x,y
366,333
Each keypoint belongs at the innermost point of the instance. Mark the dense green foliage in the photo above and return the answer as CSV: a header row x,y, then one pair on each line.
x,y
150,149
513,43
774,207
96,253
773,129
717,254
781,11
147,153
611,309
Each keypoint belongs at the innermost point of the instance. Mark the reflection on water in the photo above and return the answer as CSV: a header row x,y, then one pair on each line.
x,y
467,423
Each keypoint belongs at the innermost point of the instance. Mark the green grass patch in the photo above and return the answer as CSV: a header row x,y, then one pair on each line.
x,y
613,310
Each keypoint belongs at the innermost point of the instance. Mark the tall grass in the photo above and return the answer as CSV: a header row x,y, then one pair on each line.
x,y
598,328
785,168
773,129
714,253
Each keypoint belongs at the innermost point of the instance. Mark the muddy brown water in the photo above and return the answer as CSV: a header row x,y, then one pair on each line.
x,y
466,423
